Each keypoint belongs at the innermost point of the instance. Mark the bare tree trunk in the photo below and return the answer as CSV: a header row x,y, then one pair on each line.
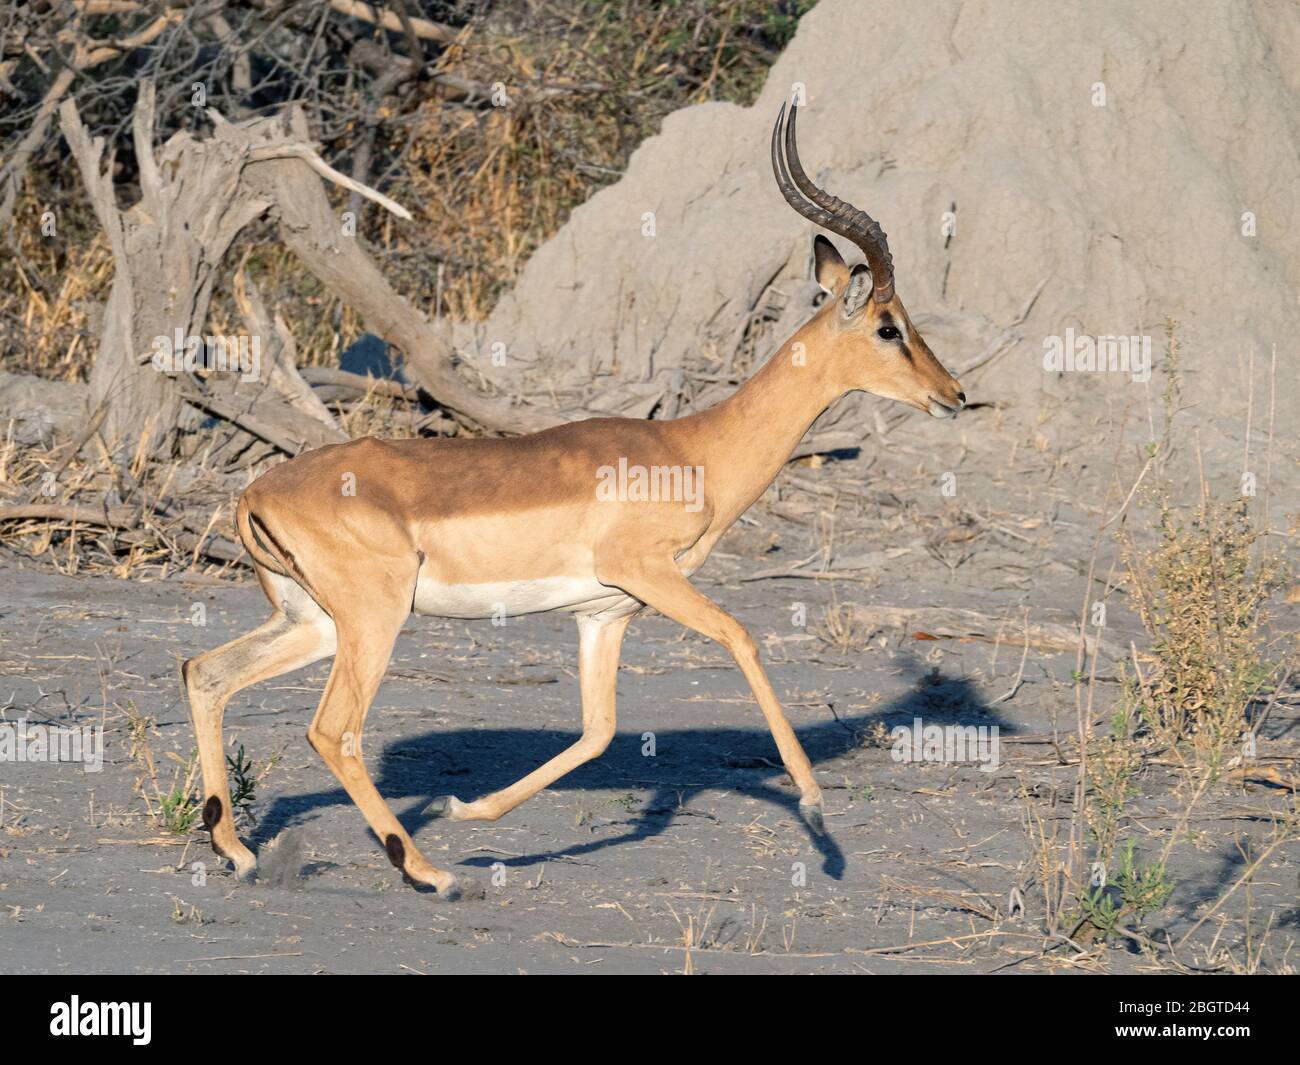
x,y
280,358
166,252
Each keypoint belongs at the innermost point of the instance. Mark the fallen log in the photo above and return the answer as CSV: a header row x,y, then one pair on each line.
x,y
264,416
361,384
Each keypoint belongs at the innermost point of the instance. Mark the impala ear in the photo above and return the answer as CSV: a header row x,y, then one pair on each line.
x,y
828,266
859,288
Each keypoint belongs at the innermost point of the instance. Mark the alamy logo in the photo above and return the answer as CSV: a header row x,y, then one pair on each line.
x,y
654,484
103,1018
1082,353
947,744
21,742
220,354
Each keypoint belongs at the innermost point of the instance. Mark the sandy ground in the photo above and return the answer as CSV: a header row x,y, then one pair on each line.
x,y
688,859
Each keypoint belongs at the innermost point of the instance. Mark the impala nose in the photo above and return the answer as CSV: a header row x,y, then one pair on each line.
x,y
961,398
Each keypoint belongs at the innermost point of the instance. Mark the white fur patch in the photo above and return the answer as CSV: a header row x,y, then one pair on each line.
x,y
511,598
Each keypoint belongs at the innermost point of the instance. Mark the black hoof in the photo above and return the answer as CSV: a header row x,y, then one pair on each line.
x,y
813,818
439,807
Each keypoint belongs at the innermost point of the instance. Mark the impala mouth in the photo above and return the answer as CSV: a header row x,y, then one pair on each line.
x,y
939,408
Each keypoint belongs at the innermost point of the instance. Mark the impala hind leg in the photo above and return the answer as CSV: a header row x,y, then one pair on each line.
x,y
298,634
365,644
662,586
599,642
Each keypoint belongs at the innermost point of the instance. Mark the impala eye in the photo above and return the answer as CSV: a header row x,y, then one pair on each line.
x,y
888,332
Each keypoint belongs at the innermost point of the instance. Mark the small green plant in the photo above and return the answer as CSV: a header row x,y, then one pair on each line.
x,y
1114,761
1137,890
178,811
243,788
244,782
172,807
1144,888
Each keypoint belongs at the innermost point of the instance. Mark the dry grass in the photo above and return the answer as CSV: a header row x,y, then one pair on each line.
x,y
151,533
48,300
843,629
490,185
1202,594
172,804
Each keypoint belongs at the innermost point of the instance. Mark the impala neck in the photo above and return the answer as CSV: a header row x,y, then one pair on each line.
x,y
748,437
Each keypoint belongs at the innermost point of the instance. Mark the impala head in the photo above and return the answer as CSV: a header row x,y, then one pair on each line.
x,y
871,343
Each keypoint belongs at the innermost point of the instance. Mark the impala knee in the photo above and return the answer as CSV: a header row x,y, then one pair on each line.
x,y
213,676
324,742
336,747
740,643
206,691
193,676
598,737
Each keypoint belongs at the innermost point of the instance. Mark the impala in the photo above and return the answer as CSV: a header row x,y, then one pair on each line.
x,y
348,540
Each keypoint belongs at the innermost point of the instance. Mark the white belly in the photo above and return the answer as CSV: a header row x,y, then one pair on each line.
x,y
510,598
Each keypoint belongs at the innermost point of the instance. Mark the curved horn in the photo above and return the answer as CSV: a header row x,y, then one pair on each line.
x,y
830,212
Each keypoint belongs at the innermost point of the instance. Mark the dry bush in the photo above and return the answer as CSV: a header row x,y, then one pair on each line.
x,y
1202,595
1201,592
585,81
843,628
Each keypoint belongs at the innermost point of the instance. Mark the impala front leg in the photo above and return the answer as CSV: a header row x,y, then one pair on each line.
x,y
600,640
660,584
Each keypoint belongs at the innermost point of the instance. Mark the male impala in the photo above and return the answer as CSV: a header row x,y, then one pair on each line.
x,y
348,540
